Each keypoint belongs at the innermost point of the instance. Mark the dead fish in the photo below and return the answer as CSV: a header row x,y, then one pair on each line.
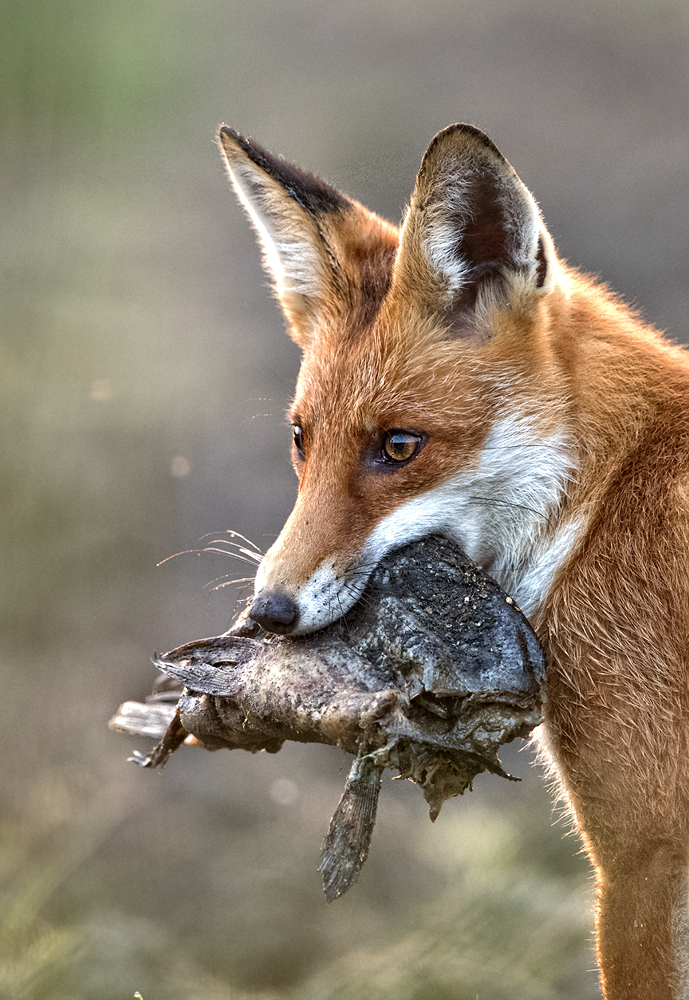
x,y
430,674
348,839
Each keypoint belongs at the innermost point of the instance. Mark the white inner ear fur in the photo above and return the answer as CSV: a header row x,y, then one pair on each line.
x,y
440,236
445,218
286,233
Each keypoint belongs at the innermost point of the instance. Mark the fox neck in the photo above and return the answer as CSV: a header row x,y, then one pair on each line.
x,y
511,514
618,389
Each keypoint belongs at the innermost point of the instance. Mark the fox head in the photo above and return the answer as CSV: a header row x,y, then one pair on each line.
x,y
427,398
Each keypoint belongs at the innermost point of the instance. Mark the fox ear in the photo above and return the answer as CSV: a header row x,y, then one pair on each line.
x,y
286,206
471,224
330,258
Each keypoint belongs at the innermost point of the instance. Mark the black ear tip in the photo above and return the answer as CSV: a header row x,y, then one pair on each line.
x,y
236,138
257,154
464,127
476,133
224,129
309,191
467,134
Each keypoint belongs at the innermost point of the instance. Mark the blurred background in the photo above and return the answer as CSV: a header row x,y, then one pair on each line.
x,y
144,374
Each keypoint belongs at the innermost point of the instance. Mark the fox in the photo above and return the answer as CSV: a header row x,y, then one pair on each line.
x,y
460,378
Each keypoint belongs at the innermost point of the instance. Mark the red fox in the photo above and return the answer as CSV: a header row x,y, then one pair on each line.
x,y
459,378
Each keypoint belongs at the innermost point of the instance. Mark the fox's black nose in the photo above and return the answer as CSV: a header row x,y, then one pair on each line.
x,y
275,612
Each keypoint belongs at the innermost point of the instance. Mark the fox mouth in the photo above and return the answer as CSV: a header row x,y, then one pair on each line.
x,y
331,591
326,597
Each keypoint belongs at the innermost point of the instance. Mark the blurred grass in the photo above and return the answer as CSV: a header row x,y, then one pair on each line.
x,y
504,915
136,328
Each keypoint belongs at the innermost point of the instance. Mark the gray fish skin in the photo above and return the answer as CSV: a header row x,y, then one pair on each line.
x,y
433,670
347,842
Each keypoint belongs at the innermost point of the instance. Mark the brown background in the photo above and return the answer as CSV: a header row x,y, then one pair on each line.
x,y
136,329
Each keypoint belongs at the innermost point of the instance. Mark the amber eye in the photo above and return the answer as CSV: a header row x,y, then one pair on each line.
x,y
400,446
299,439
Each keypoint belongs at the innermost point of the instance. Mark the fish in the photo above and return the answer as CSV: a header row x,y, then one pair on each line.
x,y
429,674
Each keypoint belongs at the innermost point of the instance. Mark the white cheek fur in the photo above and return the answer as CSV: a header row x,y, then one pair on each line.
x,y
323,599
505,514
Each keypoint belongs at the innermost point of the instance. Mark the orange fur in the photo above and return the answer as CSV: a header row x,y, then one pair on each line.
x,y
554,446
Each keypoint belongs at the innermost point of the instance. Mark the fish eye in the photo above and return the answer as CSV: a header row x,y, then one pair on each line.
x,y
298,438
400,446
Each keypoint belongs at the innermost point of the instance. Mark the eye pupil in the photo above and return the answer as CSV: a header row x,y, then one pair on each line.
x,y
298,436
400,446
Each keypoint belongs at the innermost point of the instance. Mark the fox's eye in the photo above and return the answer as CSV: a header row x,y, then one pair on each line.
x,y
400,446
298,439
